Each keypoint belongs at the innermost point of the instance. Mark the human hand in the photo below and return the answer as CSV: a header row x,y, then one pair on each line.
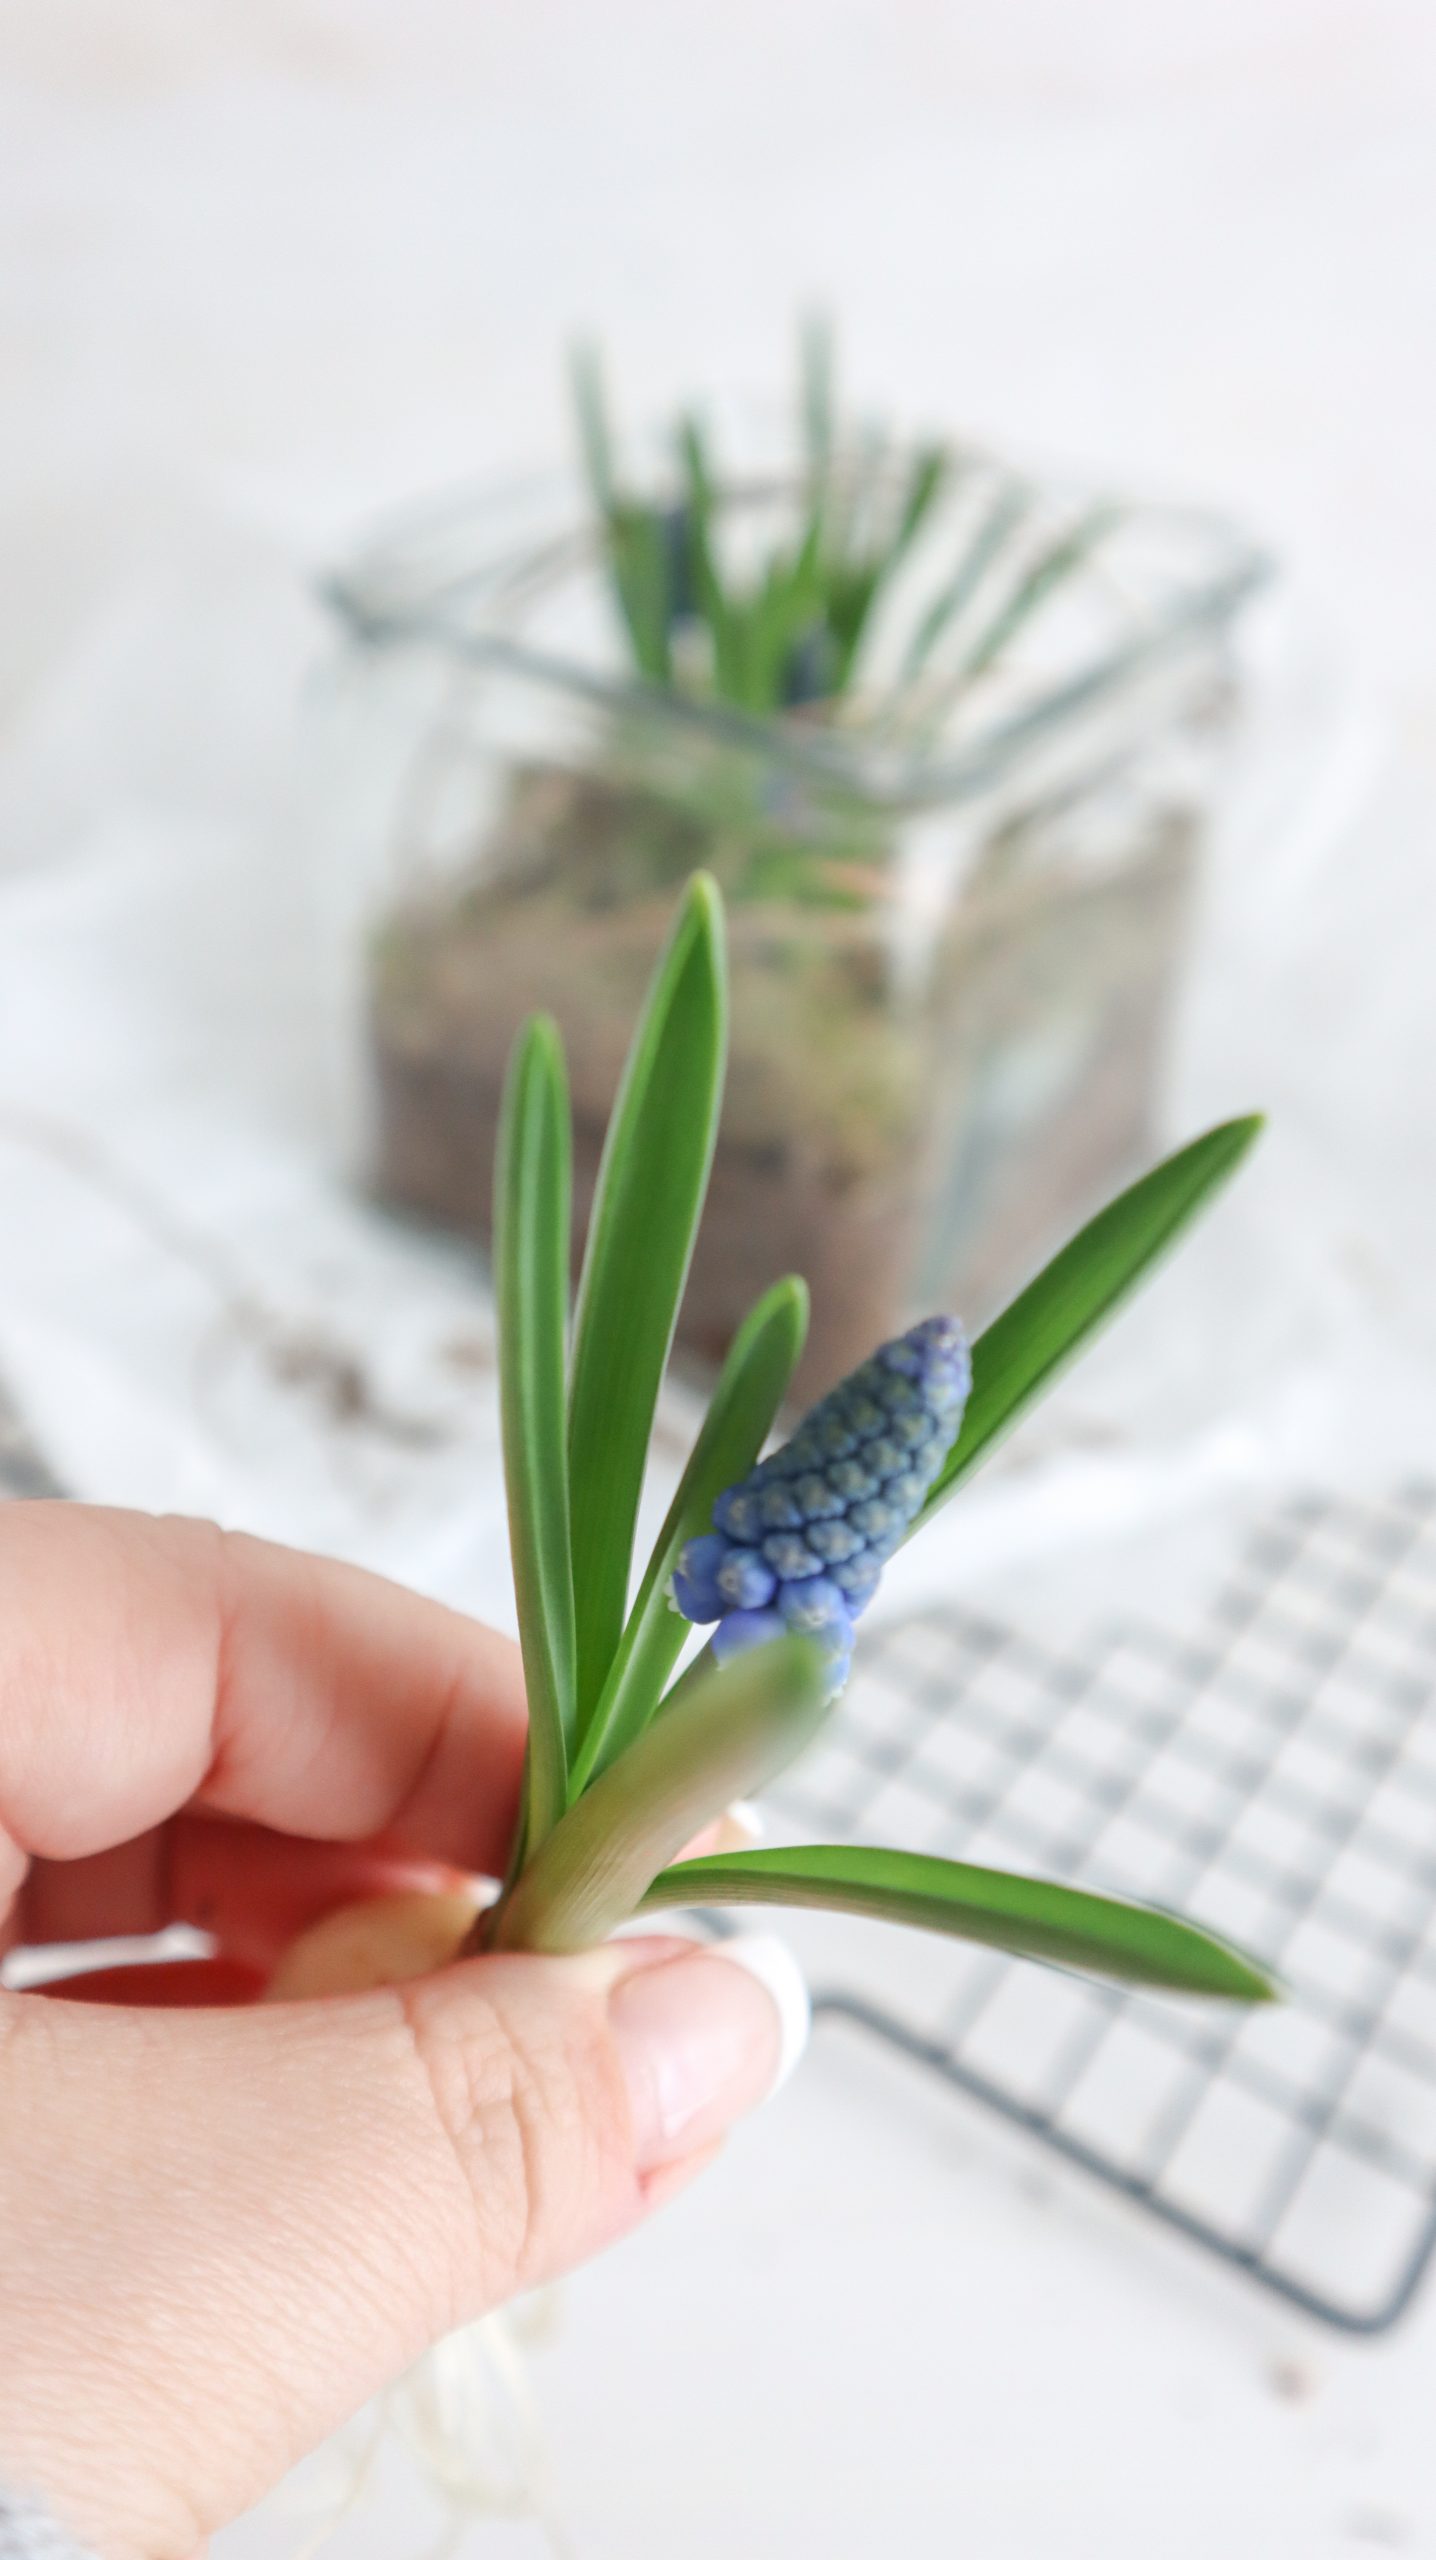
x,y
222,2228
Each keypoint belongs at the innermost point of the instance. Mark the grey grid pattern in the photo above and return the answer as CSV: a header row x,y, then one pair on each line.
x,y
1275,1777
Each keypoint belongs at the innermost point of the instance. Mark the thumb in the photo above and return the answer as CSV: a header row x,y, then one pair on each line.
x,y
223,2230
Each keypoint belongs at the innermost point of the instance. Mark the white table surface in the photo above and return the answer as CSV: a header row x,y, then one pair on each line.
x,y
271,266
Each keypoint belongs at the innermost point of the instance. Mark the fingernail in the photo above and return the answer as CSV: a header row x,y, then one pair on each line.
x,y
772,1962
703,2038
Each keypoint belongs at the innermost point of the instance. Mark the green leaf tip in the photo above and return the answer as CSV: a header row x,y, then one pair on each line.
x,y
1243,1132
703,895
1125,1941
1026,1349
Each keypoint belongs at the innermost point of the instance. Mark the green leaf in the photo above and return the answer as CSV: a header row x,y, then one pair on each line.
x,y
633,533
754,1380
713,601
929,476
728,1735
1127,1940
1020,1355
852,586
586,379
1059,561
786,606
651,1185
817,369
531,1239
639,561
1002,518
857,583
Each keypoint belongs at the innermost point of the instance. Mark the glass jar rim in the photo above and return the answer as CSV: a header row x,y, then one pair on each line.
x,y
430,577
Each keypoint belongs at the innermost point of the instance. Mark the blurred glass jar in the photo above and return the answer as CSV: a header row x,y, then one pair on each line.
x,y
958,898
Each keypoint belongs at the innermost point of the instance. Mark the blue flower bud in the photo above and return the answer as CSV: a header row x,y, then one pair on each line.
x,y
881,1525
801,1542
743,1628
817,1608
857,1577
884,1455
695,1582
744,1580
737,1514
835,1540
791,1557
864,1414
912,1430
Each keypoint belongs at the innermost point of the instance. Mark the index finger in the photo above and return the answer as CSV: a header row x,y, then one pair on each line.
x,y
148,1664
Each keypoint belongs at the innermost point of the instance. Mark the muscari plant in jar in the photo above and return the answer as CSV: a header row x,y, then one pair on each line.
x,y
910,710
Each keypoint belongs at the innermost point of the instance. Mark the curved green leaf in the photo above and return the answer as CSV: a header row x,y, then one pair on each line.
x,y
1021,1355
751,1387
1004,514
1058,561
1126,1940
532,1192
729,1735
651,1186
815,355
595,442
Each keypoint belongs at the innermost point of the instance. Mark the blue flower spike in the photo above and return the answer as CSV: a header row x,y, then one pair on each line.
x,y
799,1546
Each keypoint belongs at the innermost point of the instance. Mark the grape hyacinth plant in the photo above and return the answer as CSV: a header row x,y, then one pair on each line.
x,y
629,1756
